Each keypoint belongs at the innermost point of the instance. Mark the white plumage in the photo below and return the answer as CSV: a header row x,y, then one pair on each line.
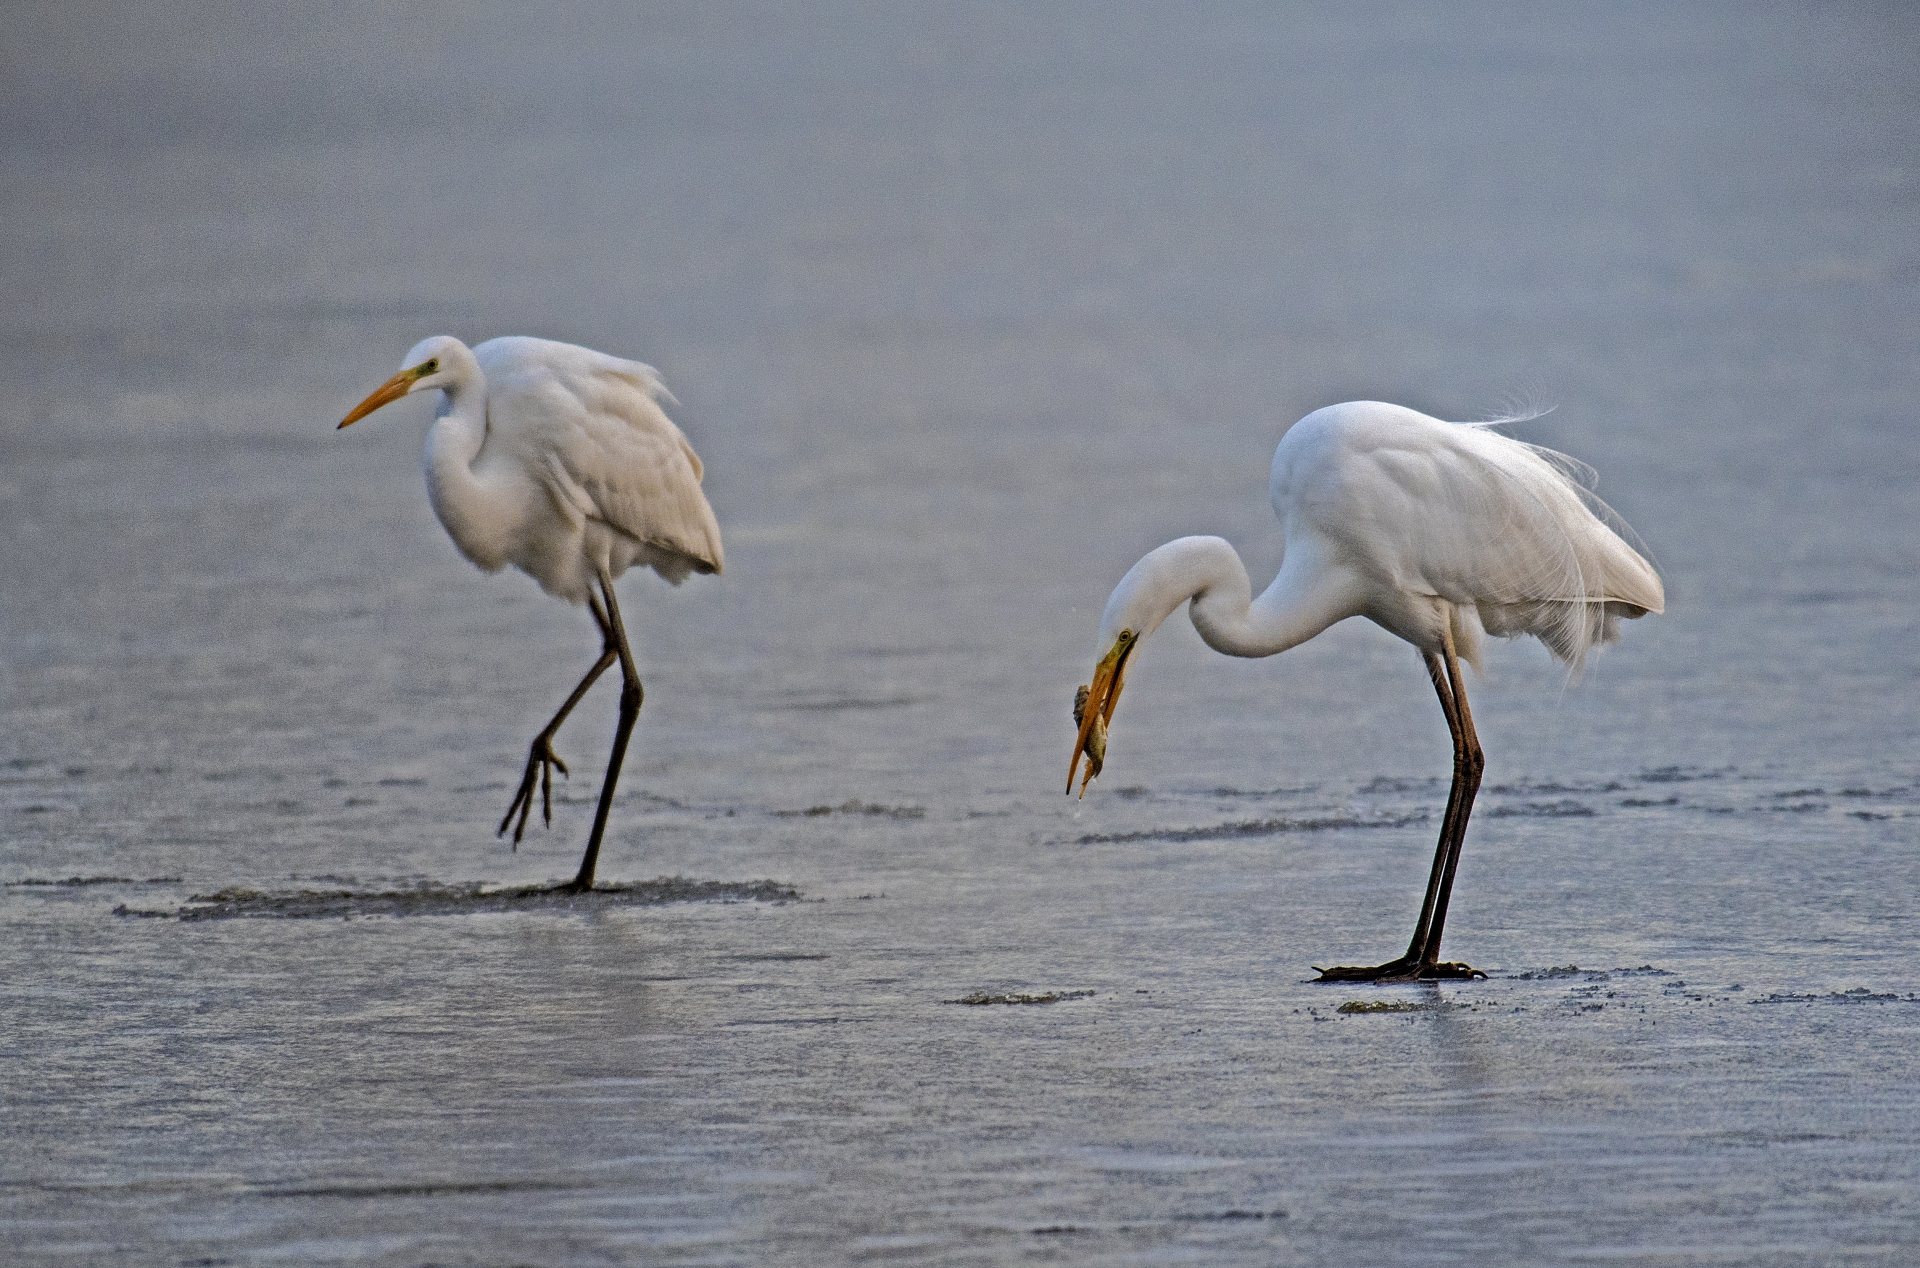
x,y
1439,532
1496,530
559,460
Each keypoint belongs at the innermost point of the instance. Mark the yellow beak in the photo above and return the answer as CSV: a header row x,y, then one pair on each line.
x,y
1094,709
392,390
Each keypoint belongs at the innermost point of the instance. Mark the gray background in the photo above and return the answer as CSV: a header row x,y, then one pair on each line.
x,y
966,308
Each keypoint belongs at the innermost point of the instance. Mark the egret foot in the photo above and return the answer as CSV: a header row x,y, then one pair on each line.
x,y
541,763
1400,970
1454,971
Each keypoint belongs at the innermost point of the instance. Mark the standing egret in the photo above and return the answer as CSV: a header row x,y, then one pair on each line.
x,y
559,460
1438,532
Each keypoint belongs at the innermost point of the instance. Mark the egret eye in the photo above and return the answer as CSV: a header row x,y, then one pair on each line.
x,y
431,367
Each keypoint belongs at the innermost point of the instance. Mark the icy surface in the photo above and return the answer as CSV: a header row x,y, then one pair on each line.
x,y
966,308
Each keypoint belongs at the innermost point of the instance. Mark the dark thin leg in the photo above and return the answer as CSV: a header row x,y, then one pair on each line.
x,y
541,759
1449,828
1421,959
630,697
1468,764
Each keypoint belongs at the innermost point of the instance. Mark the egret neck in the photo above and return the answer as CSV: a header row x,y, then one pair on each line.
x,y
1308,595
460,500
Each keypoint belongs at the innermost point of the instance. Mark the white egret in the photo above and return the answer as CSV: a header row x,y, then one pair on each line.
x,y
1439,532
559,460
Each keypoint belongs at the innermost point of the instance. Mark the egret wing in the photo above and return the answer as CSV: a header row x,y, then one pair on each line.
x,y
604,447
1481,520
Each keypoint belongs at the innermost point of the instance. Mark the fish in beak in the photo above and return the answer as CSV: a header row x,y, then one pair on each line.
x,y
1093,709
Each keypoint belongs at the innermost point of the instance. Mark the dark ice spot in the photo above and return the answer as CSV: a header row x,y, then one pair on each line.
x,y
1255,828
403,783
77,880
1529,788
1224,791
430,899
781,955
1385,1006
1236,1215
1050,997
1678,774
1857,995
855,807
1564,809
416,1189
1381,784
1650,801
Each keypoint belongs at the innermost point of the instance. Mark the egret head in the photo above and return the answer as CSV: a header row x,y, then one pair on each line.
x,y
438,362
1150,592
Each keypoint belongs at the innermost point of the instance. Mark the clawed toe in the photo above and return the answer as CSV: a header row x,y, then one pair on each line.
x,y
542,761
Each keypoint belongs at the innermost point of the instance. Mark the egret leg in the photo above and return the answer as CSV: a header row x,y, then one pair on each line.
x,y
1437,671
1422,957
541,759
1468,764
630,697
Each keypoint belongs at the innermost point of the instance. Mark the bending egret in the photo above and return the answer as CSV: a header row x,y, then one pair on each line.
x,y
558,459
1438,532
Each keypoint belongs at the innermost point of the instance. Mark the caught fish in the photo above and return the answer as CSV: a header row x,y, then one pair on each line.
x,y
1096,745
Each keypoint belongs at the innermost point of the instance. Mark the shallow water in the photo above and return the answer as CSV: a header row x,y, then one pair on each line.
x,y
966,309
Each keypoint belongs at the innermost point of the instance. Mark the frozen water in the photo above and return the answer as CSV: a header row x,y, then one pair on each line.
x,y
966,308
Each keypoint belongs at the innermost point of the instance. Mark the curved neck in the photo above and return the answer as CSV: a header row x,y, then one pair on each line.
x,y
454,440
1304,599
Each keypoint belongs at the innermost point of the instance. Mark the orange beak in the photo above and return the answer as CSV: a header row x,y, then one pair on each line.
x,y
1094,709
392,390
